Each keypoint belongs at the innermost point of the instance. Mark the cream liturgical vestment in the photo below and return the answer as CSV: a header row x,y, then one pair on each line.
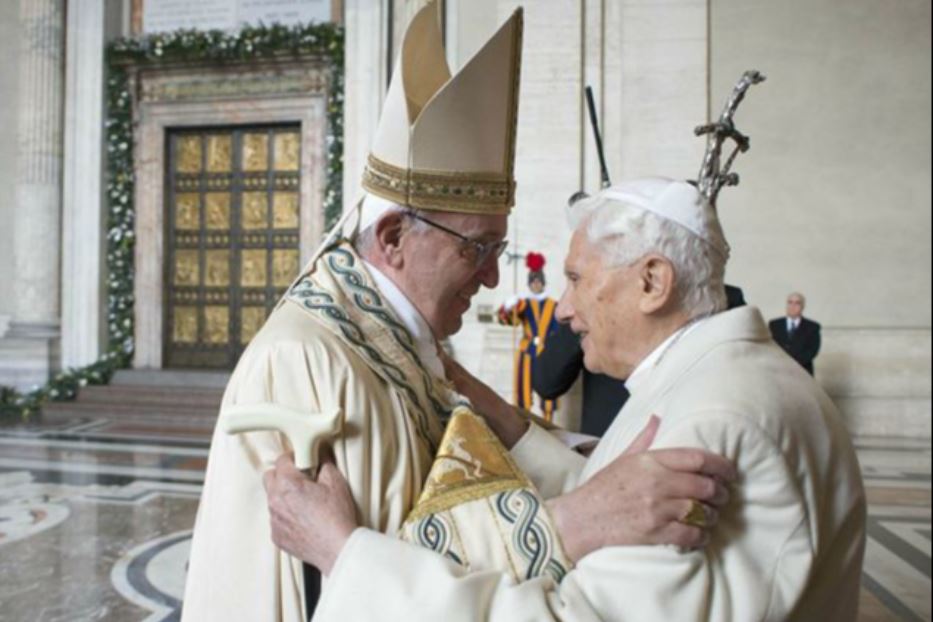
x,y
332,343
788,546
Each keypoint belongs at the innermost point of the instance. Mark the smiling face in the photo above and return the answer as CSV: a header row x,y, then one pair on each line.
x,y
621,312
436,276
601,304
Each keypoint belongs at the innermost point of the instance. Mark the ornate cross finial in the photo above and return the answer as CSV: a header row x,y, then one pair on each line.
x,y
715,174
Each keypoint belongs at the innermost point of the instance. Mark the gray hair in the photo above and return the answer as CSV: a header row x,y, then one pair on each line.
x,y
366,239
624,234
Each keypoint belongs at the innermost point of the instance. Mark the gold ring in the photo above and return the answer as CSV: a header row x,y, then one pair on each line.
x,y
696,515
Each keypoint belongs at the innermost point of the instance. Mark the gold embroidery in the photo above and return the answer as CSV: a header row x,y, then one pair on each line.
x,y
479,193
471,464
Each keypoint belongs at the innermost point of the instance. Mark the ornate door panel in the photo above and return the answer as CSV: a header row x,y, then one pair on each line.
x,y
232,237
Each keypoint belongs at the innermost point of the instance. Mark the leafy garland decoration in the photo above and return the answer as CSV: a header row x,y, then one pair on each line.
x,y
325,41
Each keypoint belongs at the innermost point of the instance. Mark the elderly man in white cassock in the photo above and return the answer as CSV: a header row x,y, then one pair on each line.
x,y
645,291
355,340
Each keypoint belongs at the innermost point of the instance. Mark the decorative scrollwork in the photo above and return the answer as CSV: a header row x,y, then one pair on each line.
x,y
531,537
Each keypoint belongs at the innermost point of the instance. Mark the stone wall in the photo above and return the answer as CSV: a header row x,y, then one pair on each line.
x,y
9,93
835,195
879,378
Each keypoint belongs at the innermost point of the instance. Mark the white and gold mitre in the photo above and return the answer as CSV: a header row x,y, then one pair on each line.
x,y
448,142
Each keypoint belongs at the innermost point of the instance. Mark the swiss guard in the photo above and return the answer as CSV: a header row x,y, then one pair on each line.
x,y
535,314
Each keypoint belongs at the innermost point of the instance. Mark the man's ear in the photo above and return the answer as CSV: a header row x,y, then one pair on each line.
x,y
389,232
657,279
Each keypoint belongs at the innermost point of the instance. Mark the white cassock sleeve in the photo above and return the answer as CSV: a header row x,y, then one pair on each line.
x,y
755,568
551,466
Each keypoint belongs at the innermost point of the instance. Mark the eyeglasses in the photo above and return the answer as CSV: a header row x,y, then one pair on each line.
x,y
472,250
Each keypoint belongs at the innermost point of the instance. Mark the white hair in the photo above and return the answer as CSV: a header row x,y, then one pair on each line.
x,y
624,234
375,209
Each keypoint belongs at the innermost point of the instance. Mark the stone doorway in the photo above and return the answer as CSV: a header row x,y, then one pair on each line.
x,y
268,112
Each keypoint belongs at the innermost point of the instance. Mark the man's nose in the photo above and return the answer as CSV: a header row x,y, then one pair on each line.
x,y
489,272
564,311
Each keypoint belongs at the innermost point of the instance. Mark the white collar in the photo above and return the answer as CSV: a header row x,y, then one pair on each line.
x,y
411,319
643,369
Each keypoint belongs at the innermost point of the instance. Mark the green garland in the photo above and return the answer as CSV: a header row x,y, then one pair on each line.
x,y
321,40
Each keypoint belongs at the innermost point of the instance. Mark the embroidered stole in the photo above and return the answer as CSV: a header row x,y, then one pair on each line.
x,y
341,294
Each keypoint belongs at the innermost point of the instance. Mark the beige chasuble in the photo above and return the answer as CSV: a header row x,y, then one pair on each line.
x,y
333,342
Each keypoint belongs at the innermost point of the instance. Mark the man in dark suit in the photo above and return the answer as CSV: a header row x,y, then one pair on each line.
x,y
558,365
799,336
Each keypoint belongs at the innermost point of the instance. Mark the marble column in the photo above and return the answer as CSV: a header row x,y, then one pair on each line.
x,y
83,217
31,347
366,66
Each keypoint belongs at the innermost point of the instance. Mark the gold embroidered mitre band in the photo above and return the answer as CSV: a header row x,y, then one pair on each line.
x,y
448,142
479,510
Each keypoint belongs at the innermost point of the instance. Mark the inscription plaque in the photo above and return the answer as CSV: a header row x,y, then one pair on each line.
x,y
168,15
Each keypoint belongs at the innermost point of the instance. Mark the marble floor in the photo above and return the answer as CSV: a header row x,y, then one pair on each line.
x,y
95,520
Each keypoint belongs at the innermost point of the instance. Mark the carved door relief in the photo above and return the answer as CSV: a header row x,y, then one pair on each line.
x,y
232,233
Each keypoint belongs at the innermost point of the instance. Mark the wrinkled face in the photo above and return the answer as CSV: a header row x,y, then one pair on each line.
x,y
601,305
794,306
439,276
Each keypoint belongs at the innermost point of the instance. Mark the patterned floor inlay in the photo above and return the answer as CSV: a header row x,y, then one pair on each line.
x,y
896,584
95,520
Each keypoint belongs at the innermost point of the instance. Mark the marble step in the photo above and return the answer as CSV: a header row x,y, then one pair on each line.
x,y
145,395
179,378
131,410
124,401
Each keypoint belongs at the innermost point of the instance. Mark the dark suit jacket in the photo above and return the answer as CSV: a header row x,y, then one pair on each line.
x,y
803,346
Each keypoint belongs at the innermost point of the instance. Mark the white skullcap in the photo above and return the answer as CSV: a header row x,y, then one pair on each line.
x,y
675,201
373,209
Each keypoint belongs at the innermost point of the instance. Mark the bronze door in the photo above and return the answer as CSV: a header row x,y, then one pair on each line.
x,y
232,222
